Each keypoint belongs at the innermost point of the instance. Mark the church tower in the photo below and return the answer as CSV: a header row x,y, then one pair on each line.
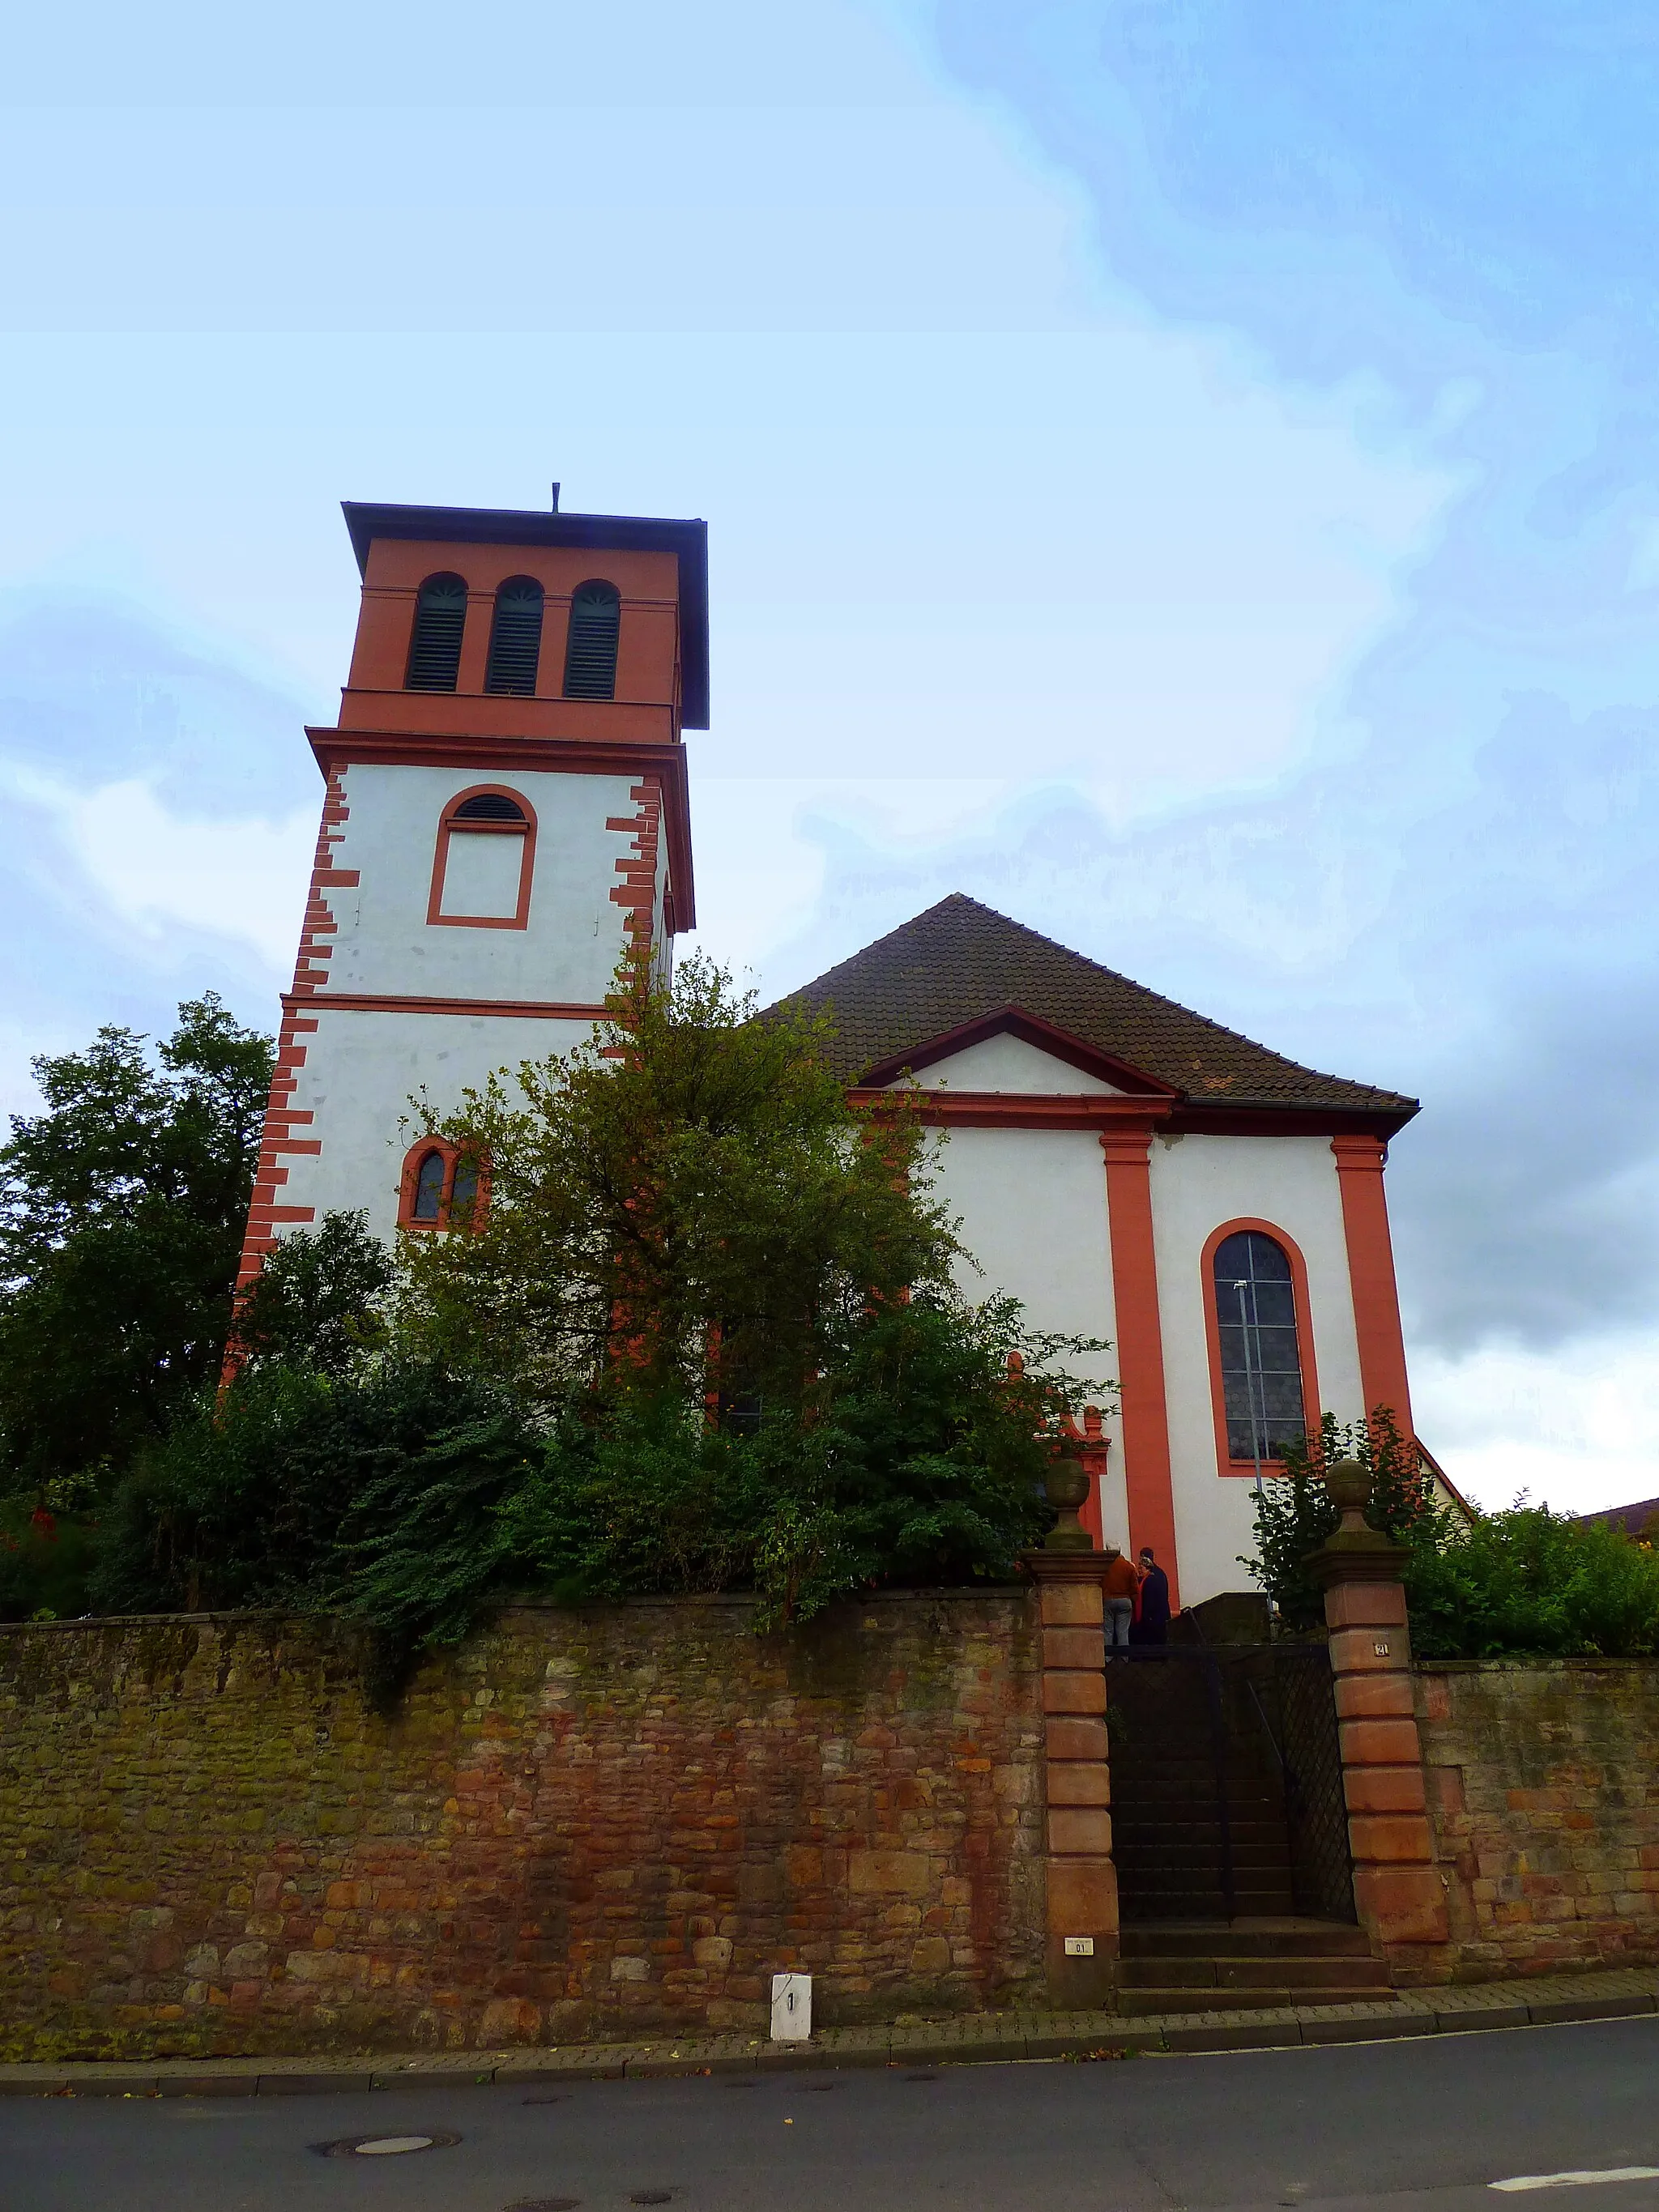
x,y
504,807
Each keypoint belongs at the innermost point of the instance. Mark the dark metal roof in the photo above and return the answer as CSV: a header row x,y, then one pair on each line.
x,y
961,961
1633,1519
629,533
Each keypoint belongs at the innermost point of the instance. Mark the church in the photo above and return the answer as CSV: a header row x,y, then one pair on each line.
x,y
505,801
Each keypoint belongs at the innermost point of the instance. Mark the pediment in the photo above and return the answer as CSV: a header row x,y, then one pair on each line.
x,y
1009,1049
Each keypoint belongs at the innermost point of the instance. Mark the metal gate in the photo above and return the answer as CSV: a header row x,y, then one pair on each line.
x,y
1227,1783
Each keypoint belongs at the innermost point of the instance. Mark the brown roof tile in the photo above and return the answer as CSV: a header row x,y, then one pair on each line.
x,y
961,961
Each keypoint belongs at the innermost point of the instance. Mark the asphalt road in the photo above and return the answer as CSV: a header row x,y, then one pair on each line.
x,y
1429,2122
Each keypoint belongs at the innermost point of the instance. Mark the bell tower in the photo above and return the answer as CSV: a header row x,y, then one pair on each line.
x,y
504,809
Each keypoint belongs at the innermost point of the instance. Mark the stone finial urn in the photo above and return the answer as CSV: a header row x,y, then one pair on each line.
x,y
1348,1484
1067,1487
1354,1550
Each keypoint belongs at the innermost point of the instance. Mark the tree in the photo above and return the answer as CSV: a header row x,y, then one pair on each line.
x,y
701,1333
315,1299
688,1208
122,1207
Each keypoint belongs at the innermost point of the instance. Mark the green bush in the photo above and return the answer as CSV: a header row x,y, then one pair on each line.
x,y
412,1498
1530,1582
1524,1582
1294,1514
44,1561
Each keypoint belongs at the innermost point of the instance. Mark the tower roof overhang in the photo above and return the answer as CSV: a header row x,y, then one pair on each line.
x,y
635,533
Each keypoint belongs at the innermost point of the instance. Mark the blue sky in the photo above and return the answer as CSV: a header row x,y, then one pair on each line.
x,y
1185,471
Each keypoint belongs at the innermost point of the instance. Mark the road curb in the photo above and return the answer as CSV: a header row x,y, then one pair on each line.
x,y
1070,2037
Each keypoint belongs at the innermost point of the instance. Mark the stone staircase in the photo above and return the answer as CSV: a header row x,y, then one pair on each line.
x,y
1252,1961
1167,1839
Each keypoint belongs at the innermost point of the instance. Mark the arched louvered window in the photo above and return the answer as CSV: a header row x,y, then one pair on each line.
x,y
590,659
488,807
515,639
428,1204
1261,1351
484,862
434,649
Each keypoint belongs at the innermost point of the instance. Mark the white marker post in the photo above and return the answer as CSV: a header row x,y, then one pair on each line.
x,y
791,2008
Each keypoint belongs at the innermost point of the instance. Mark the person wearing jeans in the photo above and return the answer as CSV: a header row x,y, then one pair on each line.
x,y
1122,1587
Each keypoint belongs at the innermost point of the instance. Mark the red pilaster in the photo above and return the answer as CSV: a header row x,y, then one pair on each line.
x,y
1081,1878
1140,1347
1398,1889
1359,1164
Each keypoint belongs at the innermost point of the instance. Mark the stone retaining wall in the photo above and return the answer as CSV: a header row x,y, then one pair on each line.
x,y
604,1822
1543,1791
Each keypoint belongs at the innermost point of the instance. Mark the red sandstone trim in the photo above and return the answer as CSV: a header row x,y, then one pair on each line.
x,y
1225,1464
1015,1110
637,891
363,1002
1359,1164
1145,1411
278,1139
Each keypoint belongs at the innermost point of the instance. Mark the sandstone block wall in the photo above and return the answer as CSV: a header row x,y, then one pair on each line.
x,y
604,1822
1543,1793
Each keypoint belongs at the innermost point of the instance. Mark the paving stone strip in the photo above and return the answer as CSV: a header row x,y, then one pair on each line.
x,y
976,2038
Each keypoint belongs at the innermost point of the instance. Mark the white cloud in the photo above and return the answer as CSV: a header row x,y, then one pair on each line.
x,y
1578,1429
244,880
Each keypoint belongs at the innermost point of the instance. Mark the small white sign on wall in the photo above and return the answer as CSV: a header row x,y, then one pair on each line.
x,y
791,2008
1079,1946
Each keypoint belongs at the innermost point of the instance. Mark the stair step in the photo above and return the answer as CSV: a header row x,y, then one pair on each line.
x,y
1294,1938
1233,1973
1184,1846
1190,2000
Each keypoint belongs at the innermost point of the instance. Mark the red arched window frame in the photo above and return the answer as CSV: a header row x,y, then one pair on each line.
x,y
408,1188
1226,1464
525,830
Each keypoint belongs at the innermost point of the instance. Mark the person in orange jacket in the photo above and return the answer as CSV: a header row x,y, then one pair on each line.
x,y
1122,1587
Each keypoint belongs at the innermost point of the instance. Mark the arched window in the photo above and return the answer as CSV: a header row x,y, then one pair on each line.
x,y
442,1189
485,861
430,1180
515,639
435,648
590,658
1263,1366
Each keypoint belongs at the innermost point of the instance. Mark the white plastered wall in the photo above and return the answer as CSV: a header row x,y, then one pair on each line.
x,y
1009,1063
1032,1205
1198,1183
568,953
362,1071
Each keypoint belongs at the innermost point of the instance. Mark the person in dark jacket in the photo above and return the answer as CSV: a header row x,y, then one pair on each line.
x,y
1153,1618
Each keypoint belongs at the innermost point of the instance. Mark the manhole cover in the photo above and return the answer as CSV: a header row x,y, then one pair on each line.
x,y
385,2146
539,2100
542,2204
819,2088
651,2196
922,2077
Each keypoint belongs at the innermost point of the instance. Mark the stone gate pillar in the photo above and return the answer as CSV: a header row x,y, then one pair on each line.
x,y
1398,1890
1082,1881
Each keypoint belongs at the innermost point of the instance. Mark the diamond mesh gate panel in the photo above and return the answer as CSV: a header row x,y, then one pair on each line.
x,y
1226,1783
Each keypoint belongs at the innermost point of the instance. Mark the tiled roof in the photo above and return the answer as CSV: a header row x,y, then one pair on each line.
x,y
960,960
